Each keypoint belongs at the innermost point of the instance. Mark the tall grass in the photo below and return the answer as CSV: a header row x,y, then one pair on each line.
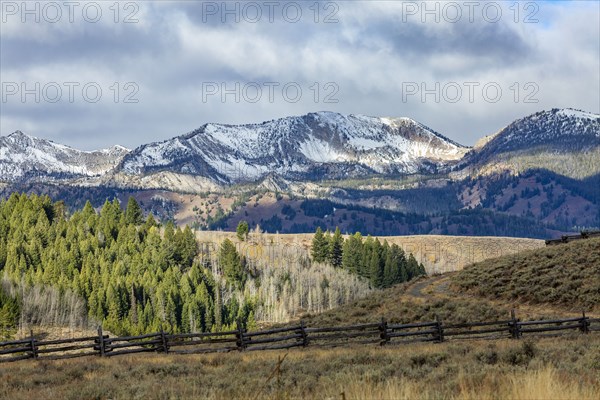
x,y
558,368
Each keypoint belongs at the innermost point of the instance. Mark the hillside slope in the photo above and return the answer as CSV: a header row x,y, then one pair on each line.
x,y
567,275
438,253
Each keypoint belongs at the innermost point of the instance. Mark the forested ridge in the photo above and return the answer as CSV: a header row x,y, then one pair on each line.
x,y
133,277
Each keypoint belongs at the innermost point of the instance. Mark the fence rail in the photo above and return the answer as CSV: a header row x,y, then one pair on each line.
x,y
300,335
570,238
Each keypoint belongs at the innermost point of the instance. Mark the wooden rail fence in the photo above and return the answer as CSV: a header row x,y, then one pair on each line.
x,y
570,238
381,333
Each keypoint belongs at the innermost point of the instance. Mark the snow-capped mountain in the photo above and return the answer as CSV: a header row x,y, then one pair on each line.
x,y
314,146
565,141
538,140
555,130
24,157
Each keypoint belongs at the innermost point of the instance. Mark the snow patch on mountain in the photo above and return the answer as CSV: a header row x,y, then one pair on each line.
x,y
570,112
320,151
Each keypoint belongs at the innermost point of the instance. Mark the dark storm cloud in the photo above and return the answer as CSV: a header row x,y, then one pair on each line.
x,y
85,41
492,43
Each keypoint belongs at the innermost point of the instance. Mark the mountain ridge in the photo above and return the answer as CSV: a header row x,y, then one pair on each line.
x,y
540,140
27,157
310,147
298,147
536,177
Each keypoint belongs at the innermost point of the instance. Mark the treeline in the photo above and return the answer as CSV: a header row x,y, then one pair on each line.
x,y
133,275
382,264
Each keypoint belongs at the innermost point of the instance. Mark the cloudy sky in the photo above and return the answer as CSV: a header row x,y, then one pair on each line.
x,y
92,74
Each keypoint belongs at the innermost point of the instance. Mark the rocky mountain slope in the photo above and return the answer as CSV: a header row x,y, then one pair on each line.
x,y
537,177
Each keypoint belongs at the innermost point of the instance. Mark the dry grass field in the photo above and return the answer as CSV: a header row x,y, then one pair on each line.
x,y
439,254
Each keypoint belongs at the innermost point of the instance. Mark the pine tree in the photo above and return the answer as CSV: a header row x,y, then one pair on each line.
x,y
376,266
412,267
242,230
365,263
352,253
9,315
335,248
389,271
320,247
187,247
421,270
88,210
150,222
133,213
169,247
230,262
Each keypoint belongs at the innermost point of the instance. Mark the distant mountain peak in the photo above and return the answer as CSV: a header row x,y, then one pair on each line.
x,y
537,141
20,136
24,157
117,147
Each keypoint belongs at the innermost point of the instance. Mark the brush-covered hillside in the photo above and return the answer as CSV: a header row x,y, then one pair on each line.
x,y
399,305
565,275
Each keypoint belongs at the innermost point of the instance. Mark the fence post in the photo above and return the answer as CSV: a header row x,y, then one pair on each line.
x,y
585,323
383,332
239,335
439,328
513,325
101,341
165,345
303,333
34,352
